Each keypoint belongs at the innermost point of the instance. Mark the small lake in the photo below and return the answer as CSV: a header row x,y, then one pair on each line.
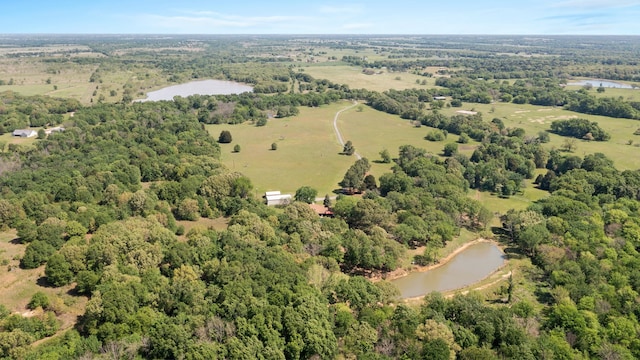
x,y
468,267
202,87
605,83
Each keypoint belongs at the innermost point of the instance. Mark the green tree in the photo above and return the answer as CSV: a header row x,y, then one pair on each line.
x,y
236,148
306,194
327,201
274,146
348,148
57,271
188,209
36,254
42,134
225,137
450,149
39,299
385,156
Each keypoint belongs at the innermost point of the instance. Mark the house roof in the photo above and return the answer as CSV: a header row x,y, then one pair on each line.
x,y
320,209
24,132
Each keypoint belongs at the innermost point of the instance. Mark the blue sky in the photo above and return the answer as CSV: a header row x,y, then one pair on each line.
x,y
603,17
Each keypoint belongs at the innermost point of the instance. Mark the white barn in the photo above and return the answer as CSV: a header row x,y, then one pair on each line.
x,y
276,198
26,133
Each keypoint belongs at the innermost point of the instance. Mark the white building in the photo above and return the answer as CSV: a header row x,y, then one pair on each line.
x,y
276,198
26,133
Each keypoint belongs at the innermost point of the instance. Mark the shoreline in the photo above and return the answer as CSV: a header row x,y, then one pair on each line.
x,y
401,272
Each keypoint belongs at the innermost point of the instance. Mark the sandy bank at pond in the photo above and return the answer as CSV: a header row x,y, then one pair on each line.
x,y
398,273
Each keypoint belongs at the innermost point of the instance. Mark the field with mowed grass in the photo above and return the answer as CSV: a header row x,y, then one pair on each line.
x,y
534,119
371,131
356,79
307,151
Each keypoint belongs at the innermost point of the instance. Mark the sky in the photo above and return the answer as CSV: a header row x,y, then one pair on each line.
x,y
547,17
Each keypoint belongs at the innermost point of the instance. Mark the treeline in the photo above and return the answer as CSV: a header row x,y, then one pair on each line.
x,y
411,103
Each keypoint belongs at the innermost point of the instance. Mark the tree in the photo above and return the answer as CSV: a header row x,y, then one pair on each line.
x,y
370,182
188,210
39,299
385,156
274,146
354,177
306,194
42,134
450,149
348,148
236,148
327,201
36,254
57,271
569,145
225,137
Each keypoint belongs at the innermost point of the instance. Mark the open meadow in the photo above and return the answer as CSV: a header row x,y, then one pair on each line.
x,y
356,79
307,151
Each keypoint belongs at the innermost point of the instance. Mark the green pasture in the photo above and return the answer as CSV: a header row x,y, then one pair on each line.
x,y
371,131
625,94
34,77
307,154
534,119
356,79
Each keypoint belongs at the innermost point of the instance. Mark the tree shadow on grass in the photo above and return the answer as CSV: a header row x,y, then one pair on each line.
x,y
43,282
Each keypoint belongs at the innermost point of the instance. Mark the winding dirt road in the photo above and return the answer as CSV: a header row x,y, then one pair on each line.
x,y
337,131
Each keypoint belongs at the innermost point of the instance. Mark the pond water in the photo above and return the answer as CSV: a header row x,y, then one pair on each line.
x,y
202,87
605,83
468,267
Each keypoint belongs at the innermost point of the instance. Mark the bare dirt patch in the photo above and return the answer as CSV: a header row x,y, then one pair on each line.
x,y
466,112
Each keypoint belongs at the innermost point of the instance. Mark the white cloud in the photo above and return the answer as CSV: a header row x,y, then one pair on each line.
x,y
201,20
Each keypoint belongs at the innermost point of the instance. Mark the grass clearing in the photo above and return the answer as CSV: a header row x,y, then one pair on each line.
x,y
353,76
371,131
534,119
17,285
307,154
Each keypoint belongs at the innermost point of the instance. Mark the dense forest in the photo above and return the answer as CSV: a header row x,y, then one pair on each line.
x,y
100,205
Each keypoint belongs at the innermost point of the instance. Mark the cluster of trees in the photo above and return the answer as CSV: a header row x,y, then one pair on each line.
x,y
579,128
18,111
584,239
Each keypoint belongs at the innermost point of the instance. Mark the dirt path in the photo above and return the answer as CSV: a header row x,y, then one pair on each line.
x,y
337,131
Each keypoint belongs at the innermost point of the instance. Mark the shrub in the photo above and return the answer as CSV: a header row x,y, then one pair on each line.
x,y
39,299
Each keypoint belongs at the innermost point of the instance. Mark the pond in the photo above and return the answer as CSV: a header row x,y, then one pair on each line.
x,y
604,83
471,265
202,87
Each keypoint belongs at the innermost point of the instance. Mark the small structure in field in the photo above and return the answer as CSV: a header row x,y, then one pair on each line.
x,y
276,198
25,133
439,98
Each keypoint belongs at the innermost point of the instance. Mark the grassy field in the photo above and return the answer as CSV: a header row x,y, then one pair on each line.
x,y
21,284
307,154
353,76
536,118
626,94
371,131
